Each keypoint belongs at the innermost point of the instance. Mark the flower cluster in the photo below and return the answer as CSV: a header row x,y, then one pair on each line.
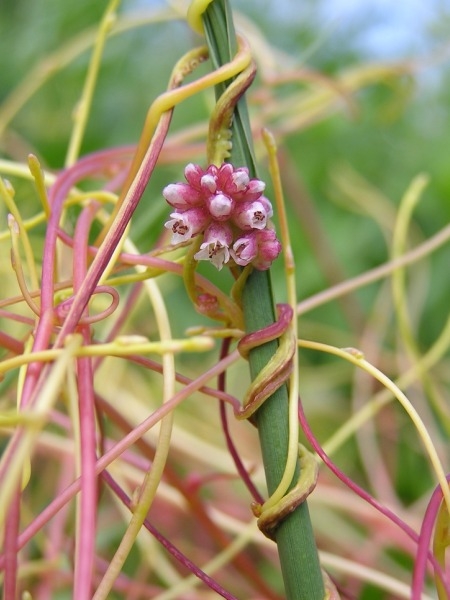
x,y
228,209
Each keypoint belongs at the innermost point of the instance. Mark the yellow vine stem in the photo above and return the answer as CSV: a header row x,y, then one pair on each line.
x,y
71,398
109,268
424,249
220,308
270,514
26,467
289,267
39,181
17,264
399,240
277,370
194,15
82,110
171,98
219,144
424,363
38,415
7,194
101,196
20,169
122,346
189,268
153,477
356,357
409,202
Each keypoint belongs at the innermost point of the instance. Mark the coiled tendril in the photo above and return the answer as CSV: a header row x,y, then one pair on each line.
x,y
277,371
273,375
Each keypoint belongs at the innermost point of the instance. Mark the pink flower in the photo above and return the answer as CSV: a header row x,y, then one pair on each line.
x,y
215,247
259,247
228,207
184,225
250,215
244,250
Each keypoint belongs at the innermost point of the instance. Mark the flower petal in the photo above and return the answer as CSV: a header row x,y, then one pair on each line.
x,y
218,255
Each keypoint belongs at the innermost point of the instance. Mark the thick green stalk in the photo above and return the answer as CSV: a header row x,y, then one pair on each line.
x,y
294,537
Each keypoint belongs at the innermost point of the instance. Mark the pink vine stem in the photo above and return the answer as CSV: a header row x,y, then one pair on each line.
x,y
85,540
384,510
423,552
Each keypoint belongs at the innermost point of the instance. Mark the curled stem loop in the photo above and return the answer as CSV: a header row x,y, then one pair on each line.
x,y
269,518
63,308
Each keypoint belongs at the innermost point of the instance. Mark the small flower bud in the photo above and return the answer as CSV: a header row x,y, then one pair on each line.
x,y
181,195
259,247
208,183
193,174
240,179
268,249
220,206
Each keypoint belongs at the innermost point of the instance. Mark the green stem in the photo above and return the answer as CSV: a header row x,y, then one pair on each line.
x,y
294,537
